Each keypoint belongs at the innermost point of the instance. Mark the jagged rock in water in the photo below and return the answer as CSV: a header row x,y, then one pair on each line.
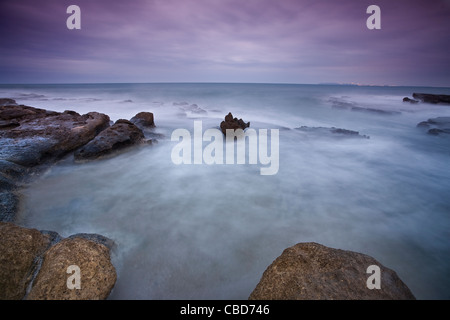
x,y
233,123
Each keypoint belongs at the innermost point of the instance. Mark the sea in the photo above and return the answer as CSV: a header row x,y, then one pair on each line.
x,y
209,231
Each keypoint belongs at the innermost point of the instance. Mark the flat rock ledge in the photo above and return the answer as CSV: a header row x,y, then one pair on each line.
x,y
311,271
34,265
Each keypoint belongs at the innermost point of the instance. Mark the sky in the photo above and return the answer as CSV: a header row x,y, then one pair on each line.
x,y
257,41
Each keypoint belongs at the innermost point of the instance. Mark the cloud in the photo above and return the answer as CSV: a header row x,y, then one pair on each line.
x,y
227,40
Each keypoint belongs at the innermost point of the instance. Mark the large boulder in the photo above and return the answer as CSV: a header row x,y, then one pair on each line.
x,y
34,264
310,271
233,123
97,274
20,249
122,134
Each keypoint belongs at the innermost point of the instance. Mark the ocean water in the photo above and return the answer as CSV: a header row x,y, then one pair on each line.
x,y
203,231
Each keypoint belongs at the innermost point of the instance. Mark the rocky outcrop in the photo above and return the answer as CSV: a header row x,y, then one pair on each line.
x,y
331,132
31,136
310,271
120,135
233,123
436,126
143,120
33,265
406,99
432,98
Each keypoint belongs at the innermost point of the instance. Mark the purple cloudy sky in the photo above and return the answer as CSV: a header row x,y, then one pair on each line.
x,y
276,41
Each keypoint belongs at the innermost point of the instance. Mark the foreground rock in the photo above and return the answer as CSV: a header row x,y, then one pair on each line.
x,y
33,265
233,123
310,271
119,136
432,98
20,250
436,126
331,132
97,274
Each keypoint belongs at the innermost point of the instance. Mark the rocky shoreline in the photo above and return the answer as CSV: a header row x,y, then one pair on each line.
x,y
33,263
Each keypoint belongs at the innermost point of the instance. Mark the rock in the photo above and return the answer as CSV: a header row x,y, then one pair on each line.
x,y
310,271
119,136
143,120
7,102
9,205
233,123
20,249
436,126
377,111
432,98
97,274
331,132
33,264
406,99
35,136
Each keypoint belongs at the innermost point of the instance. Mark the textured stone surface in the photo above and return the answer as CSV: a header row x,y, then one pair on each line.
x,y
121,135
432,98
97,274
143,120
20,249
232,123
310,271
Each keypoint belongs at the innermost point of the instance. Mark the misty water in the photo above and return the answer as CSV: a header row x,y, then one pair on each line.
x,y
210,231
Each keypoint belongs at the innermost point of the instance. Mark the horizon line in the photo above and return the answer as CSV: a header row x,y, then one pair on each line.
x,y
238,83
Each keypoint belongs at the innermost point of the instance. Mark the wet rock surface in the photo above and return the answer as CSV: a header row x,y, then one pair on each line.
x,y
122,134
432,98
310,271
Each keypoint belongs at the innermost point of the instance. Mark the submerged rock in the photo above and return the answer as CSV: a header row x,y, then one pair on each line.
x,y
233,123
437,125
122,134
376,111
432,98
33,264
331,132
310,271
